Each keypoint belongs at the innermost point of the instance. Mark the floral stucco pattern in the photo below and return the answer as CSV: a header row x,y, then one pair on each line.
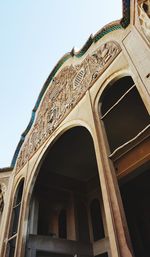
x,y
64,92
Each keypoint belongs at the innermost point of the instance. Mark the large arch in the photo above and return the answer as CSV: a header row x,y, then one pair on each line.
x,y
69,174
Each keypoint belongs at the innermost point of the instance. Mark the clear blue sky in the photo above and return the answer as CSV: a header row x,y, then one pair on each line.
x,y
34,36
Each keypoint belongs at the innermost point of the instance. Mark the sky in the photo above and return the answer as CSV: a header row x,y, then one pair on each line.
x,y
34,35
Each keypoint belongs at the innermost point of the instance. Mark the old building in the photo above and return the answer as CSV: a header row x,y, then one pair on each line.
x,y
79,184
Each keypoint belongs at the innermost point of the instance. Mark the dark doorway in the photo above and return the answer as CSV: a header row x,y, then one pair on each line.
x,y
97,221
62,224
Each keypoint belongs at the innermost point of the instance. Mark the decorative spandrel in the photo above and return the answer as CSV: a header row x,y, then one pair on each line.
x,y
144,16
63,93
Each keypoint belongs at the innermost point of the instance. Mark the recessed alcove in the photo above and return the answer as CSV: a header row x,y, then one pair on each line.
x,y
123,112
66,208
127,126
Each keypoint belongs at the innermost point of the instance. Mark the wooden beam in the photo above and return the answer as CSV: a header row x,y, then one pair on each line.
x,y
133,159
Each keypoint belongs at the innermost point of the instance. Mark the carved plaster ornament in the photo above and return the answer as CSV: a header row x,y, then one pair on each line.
x,y
144,16
64,92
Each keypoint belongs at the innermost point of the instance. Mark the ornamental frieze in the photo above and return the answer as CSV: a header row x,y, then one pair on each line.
x,y
64,92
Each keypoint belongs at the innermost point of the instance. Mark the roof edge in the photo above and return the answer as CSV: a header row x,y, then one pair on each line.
x,y
6,169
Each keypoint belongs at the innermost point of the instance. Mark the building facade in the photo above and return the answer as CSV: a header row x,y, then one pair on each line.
x,y
79,184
